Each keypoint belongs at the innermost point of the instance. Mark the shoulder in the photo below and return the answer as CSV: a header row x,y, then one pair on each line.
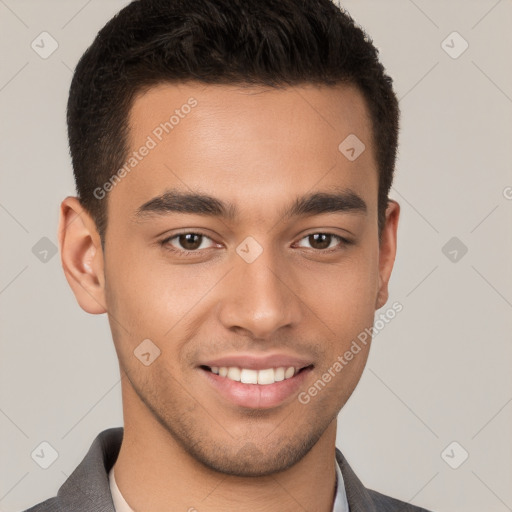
x,y
87,489
49,505
363,499
387,503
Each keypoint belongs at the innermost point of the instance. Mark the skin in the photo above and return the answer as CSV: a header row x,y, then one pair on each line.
x,y
259,148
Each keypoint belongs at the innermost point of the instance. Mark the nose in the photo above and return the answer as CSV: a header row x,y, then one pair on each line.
x,y
260,297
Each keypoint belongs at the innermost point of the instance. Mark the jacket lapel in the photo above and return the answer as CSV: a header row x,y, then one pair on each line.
x,y
358,497
87,489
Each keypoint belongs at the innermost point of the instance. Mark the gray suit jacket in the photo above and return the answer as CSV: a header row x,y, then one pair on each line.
x,y
88,490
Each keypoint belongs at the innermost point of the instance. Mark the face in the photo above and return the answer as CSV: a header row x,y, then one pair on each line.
x,y
248,295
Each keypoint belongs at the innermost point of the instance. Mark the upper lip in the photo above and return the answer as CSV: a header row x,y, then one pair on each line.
x,y
258,362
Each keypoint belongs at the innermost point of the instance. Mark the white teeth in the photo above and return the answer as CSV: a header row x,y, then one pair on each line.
x,y
279,374
266,376
234,373
248,376
289,372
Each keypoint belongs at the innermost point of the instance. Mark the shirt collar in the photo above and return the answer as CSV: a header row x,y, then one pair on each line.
x,y
340,498
120,504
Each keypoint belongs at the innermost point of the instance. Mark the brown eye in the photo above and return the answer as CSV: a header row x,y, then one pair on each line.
x,y
323,241
320,240
190,241
186,243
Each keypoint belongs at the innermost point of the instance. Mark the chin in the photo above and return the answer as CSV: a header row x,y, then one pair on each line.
x,y
251,460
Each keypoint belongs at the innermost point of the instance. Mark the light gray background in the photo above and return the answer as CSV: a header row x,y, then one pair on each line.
x,y
440,372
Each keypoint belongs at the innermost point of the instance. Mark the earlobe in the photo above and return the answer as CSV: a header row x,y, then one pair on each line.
x,y
82,256
382,295
387,251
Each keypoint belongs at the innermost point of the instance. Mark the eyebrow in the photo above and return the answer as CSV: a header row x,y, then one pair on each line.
x,y
315,203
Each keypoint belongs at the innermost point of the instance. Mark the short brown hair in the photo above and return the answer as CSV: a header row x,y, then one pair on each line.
x,y
252,42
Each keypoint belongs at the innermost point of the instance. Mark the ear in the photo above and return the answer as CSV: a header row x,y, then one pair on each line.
x,y
387,251
82,256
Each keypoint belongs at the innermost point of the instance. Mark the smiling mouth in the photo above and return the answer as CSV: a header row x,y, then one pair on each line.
x,y
250,376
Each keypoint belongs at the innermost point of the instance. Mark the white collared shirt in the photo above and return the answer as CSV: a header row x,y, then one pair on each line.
x,y
340,501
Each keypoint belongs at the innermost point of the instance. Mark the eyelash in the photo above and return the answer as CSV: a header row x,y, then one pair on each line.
x,y
182,252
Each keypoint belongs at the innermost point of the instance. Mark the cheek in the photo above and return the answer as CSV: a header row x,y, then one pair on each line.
x,y
150,296
343,294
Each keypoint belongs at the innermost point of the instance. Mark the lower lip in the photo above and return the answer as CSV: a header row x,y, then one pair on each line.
x,y
256,396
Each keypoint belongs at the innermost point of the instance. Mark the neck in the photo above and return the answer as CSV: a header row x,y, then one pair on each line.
x,y
153,472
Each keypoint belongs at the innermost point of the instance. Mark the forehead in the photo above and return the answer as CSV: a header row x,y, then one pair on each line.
x,y
248,145
291,113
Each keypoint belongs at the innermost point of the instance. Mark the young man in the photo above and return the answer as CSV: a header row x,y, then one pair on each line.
x,y
233,161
